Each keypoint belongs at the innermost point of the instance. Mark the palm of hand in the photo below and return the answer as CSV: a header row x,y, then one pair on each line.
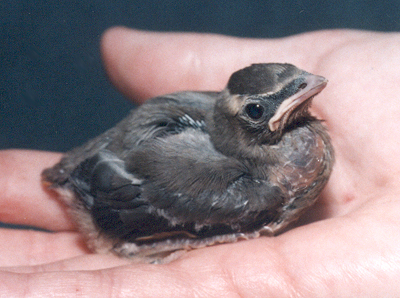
x,y
354,245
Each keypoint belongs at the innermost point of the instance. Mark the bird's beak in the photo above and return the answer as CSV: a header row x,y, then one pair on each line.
x,y
315,84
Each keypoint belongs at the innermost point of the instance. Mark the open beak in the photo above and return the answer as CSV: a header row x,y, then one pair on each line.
x,y
315,84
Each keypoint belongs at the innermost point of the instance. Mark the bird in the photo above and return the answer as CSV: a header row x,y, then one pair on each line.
x,y
193,169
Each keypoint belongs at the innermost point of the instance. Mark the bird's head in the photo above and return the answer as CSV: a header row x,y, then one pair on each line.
x,y
263,101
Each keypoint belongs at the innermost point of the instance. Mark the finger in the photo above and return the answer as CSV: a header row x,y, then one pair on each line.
x,y
145,64
23,199
79,263
31,248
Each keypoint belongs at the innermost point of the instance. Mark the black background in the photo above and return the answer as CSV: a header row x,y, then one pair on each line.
x,y
54,94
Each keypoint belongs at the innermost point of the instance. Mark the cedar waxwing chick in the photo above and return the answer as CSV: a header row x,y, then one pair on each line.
x,y
193,169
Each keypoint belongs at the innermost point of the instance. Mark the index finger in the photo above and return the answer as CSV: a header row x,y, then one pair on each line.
x,y
146,64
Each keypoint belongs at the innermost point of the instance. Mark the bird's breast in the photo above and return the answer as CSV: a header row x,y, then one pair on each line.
x,y
304,161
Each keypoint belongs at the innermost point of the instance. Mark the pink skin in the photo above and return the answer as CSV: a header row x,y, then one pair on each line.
x,y
347,245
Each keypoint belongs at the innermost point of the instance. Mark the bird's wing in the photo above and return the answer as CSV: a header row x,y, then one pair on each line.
x,y
132,199
176,186
188,180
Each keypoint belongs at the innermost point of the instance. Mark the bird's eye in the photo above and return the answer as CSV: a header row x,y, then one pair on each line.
x,y
254,111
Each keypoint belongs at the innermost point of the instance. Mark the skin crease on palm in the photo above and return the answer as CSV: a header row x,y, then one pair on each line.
x,y
347,245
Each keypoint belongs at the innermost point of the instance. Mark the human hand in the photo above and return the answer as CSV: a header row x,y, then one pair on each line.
x,y
350,245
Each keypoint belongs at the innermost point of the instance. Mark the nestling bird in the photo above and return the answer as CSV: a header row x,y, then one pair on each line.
x,y
193,169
